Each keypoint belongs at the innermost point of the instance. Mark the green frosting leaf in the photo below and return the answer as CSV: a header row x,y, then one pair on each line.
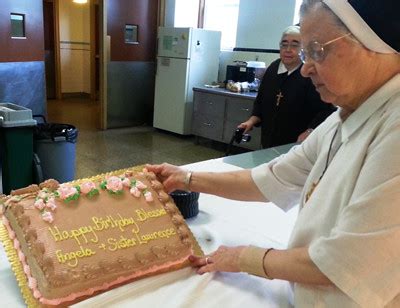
x,y
103,185
93,193
72,198
118,192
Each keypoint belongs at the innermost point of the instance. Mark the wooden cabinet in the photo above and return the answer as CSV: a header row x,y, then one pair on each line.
x,y
217,113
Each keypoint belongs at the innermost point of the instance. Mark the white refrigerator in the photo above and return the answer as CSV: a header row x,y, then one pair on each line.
x,y
186,58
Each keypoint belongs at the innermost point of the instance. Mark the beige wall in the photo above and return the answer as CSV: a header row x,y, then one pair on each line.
x,y
75,47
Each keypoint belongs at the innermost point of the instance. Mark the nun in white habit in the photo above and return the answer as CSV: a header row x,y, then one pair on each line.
x,y
345,247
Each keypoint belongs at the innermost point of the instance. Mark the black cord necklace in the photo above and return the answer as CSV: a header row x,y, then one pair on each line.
x,y
315,184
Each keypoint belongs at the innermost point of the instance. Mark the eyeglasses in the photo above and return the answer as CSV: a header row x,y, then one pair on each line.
x,y
286,45
315,50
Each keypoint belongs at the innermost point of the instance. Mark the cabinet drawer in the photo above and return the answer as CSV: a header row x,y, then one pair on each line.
x,y
207,126
238,109
210,104
255,133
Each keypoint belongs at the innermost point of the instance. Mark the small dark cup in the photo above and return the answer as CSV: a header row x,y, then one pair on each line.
x,y
187,202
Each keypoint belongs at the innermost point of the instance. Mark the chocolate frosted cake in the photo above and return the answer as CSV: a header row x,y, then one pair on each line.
x,y
67,242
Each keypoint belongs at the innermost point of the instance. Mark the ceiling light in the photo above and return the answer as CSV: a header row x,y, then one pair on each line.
x,y
80,1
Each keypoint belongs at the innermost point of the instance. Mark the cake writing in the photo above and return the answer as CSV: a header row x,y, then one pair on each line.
x,y
123,242
72,257
89,234
143,215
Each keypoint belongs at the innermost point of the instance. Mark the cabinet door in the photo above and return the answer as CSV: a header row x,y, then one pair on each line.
x,y
255,133
210,104
207,126
238,109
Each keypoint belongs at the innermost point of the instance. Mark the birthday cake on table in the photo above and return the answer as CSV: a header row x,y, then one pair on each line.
x,y
67,242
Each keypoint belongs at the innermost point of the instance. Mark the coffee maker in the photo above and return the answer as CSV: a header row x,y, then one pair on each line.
x,y
245,71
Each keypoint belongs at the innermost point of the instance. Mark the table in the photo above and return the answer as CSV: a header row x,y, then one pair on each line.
x,y
255,158
220,222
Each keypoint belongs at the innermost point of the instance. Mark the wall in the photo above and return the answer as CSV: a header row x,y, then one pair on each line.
x,y
31,48
22,60
260,25
169,13
74,24
261,22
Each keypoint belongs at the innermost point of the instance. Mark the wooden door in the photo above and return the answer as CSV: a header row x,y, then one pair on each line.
x,y
132,34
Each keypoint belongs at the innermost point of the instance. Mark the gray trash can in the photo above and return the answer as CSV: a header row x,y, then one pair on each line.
x,y
55,145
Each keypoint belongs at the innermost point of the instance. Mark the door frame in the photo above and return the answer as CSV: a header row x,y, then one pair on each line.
x,y
104,46
57,60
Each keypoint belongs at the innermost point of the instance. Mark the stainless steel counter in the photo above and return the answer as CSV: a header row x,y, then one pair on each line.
x,y
249,95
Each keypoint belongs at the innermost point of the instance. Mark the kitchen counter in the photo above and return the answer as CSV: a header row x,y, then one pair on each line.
x,y
223,91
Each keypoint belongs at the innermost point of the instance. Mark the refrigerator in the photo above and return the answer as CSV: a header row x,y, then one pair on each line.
x,y
186,58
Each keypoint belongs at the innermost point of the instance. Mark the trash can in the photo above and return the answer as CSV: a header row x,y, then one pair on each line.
x,y
55,145
16,146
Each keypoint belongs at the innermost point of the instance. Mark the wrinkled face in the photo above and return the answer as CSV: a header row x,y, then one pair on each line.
x,y
289,50
337,77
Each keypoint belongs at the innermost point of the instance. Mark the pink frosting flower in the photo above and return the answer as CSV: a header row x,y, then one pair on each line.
x,y
46,216
87,187
65,191
140,185
39,204
51,204
114,184
148,196
126,182
135,192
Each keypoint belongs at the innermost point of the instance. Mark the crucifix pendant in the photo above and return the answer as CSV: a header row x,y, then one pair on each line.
x,y
279,96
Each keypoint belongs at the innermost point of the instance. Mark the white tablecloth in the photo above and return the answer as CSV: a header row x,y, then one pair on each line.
x,y
220,222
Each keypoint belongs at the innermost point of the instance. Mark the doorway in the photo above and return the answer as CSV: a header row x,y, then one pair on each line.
x,y
104,16
72,58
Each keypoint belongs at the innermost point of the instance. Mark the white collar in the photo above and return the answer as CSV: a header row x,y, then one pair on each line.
x,y
282,69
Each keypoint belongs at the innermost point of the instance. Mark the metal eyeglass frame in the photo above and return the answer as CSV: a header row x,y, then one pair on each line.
x,y
286,45
315,50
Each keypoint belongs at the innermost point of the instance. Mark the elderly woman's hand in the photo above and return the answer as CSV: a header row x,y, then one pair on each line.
x,y
224,259
172,177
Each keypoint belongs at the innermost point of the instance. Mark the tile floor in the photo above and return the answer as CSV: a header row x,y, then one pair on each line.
x,y
100,151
